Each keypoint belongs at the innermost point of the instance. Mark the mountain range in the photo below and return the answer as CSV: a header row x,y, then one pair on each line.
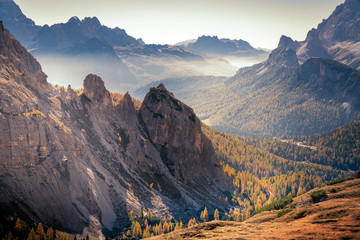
x,y
212,45
137,63
303,88
237,52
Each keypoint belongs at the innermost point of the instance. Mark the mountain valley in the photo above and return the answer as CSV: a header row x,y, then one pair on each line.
x,y
103,136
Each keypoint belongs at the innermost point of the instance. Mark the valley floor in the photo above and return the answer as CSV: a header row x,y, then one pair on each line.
x,y
336,216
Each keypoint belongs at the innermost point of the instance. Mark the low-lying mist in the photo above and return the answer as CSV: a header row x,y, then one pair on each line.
x,y
69,70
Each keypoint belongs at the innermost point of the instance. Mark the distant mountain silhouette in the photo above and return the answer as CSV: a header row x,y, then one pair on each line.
x,y
75,31
212,45
23,28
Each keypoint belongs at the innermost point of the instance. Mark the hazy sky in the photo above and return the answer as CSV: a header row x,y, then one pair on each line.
x,y
260,22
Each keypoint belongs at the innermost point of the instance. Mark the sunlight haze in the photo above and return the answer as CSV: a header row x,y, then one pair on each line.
x,y
260,22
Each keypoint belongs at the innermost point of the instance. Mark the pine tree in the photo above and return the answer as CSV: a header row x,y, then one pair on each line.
x,y
204,216
18,226
192,222
149,215
31,235
146,232
40,231
177,227
136,232
131,216
50,234
216,214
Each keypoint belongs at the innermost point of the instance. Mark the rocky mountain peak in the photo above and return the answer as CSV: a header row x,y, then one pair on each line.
x,y
162,87
176,132
313,46
92,21
94,89
127,109
74,20
287,42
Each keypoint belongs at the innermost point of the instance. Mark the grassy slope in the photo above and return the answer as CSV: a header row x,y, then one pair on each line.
x,y
337,216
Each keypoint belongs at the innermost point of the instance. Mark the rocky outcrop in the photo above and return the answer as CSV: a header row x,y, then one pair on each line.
x,y
287,42
176,133
332,80
313,47
127,108
94,89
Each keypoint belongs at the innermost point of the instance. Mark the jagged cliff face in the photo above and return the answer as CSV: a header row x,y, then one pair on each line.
x,y
78,163
336,37
176,133
27,70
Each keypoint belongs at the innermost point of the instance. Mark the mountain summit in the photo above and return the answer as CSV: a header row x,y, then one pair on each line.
x,y
76,31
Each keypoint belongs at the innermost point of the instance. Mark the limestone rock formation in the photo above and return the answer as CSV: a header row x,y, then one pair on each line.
x,y
76,162
336,37
94,89
176,133
331,79
127,108
18,63
287,42
285,57
313,47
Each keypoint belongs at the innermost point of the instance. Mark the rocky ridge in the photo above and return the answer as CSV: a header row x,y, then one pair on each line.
x,y
336,37
78,163
212,45
23,28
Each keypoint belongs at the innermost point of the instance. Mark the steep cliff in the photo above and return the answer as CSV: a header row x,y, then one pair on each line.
x,y
79,163
18,63
176,133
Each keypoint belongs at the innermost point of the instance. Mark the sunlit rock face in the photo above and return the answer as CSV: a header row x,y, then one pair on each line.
x,y
76,161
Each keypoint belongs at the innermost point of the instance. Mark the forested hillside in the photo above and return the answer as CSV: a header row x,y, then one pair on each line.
x,y
261,177
339,148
